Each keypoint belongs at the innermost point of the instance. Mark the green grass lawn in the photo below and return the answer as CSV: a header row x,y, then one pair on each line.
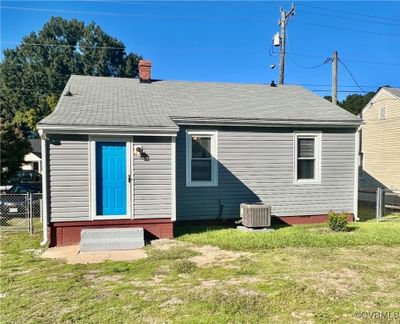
x,y
296,274
359,234
391,217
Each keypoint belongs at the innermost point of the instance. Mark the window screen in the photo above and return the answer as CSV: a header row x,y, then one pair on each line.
x,y
201,159
305,158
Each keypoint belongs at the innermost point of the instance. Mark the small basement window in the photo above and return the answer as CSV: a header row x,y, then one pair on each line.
x,y
307,158
201,159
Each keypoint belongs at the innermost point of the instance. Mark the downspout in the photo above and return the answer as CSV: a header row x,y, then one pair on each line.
x,y
356,171
44,187
173,178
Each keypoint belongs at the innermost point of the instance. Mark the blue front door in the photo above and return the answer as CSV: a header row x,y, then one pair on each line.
x,y
111,178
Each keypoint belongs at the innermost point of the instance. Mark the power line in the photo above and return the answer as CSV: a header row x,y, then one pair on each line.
x,y
63,45
353,60
169,16
328,60
181,17
123,48
350,13
342,86
351,74
347,29
126,14
295,84
39,91
347,91
174,3
347,18
271,52
44,91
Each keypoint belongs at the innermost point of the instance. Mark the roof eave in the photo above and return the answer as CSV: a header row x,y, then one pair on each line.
x,y
107,130
265,123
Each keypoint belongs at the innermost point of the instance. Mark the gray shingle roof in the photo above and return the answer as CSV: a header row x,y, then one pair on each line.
x,y
105,101
395,91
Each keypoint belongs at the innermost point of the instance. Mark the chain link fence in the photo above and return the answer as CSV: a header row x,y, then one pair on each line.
x,y
391,206
378,204
21,212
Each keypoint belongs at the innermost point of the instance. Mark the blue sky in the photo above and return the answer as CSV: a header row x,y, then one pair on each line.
x,y
231,41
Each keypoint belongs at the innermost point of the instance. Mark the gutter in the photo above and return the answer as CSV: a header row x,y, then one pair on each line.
x,y
356,169
110,130
44,188
264,122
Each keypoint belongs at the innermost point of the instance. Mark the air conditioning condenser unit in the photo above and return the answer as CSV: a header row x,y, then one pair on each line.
x,y
255,214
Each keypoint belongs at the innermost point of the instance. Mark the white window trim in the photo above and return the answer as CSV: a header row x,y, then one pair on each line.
x,y
92,177
317,151
214,160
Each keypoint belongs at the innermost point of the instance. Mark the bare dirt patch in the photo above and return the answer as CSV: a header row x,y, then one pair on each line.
x,y
167,244
207,255
71,255
333,283
212,255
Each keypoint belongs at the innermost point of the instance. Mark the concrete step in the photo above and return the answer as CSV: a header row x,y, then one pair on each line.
x,y
111,239
110,245
105,233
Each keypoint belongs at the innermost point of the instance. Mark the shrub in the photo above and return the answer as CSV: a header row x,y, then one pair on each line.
x,y
337,221
184,266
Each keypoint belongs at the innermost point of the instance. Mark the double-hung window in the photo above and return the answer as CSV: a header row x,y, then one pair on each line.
x,y
201,158
307,157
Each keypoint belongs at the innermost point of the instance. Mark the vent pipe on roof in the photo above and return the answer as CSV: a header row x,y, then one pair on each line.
x,y
145,71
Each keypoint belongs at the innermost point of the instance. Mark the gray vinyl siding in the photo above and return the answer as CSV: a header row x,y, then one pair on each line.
x,y
69,186
153,178
69,178
257,164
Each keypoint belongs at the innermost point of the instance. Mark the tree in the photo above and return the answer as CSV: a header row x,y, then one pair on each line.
x,y
329,98
14,146
27,119
354,103
34,74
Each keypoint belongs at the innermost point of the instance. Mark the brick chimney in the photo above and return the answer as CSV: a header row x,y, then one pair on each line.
x,y
145,71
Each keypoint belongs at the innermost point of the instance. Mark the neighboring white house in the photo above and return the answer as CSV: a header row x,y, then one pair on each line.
x,y
33,160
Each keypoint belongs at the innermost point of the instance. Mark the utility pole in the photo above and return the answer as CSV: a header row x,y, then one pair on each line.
x,y
334,77
283,23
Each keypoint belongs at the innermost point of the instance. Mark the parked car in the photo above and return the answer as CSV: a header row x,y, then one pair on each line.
x,y
26,176
14,203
